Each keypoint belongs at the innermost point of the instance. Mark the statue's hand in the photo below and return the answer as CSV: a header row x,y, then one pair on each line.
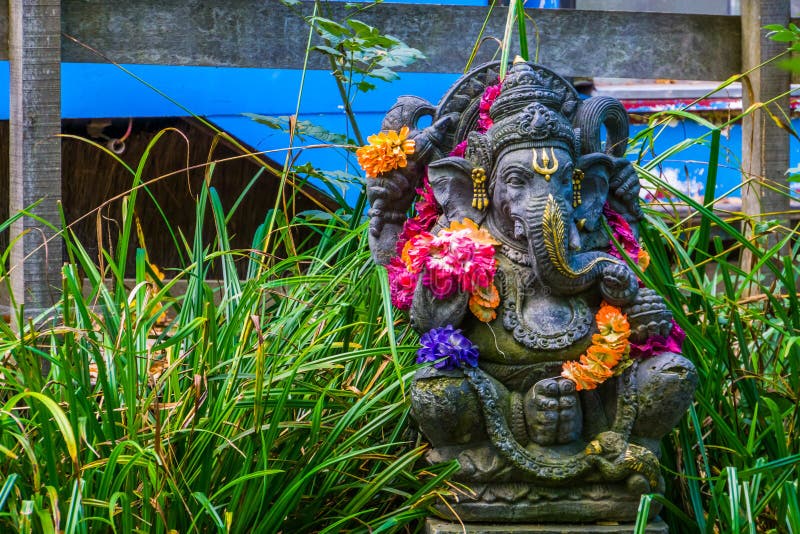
x,y
390,196
648,316
428,312
553,412
427,141
624,188
618,284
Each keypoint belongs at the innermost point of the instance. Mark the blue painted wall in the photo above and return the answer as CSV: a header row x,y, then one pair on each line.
x,y
223,94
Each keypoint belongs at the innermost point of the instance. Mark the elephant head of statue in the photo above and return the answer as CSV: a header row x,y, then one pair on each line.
x,y
538,181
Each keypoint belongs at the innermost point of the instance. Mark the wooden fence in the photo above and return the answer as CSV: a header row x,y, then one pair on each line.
x,y
257,33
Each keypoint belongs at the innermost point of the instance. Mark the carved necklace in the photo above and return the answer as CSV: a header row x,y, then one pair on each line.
x,y
515,284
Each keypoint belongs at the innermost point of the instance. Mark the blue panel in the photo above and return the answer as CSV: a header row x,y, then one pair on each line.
x,y
4,81
223,94
100,90
687,170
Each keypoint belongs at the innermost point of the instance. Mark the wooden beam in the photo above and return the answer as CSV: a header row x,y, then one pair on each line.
x,y
254,33
765,146
35,149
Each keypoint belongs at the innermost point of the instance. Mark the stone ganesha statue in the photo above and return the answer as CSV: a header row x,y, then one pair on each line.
x,y
565,373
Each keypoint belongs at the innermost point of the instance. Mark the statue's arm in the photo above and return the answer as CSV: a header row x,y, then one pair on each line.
x,y
623,194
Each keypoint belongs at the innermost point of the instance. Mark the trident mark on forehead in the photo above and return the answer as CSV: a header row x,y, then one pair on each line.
x,y
545,169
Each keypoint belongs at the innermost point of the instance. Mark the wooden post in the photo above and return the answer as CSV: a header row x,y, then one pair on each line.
x,y
34,148
765,146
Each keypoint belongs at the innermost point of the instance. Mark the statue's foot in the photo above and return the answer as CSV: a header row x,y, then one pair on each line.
x,y
553,412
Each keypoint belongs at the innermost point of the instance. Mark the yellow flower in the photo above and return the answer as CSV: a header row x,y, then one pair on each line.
x,y
385,152
643,260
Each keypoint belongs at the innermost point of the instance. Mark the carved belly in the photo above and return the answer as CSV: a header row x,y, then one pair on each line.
x,y
547,329
532,326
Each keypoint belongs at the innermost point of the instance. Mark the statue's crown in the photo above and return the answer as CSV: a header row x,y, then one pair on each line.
x,y
523,84
529,111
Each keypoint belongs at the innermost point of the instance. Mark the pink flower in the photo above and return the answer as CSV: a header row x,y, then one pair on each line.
x,y
402,283
416,251
427,213
426,206
460,149
411,228
489,96
485,121
441,284
623,233
460,257
658,344
464,254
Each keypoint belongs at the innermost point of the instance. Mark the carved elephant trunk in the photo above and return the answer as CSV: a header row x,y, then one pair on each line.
x,y
568,272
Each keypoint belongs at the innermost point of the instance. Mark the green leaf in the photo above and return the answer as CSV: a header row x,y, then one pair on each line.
x,y
327,50
330,27
302,129
384,74
5,491
364,86
784,36
362,29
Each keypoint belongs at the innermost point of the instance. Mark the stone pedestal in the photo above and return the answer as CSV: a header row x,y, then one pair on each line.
x,y
438,526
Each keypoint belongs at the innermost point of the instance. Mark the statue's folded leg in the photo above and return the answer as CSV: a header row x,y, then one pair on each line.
x,y
446,409
666,385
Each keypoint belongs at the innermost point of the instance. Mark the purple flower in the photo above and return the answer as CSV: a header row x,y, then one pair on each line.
x,y
447,348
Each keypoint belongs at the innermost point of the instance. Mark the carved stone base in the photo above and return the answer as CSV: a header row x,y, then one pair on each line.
x,y
437,526
510,502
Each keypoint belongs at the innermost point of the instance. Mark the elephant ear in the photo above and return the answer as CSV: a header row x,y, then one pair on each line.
x,y
451,181
597,169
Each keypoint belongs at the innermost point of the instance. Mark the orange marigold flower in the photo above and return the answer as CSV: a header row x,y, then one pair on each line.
x,y
483,301
386,151
578,374
609,348
478,235
606,356
611,319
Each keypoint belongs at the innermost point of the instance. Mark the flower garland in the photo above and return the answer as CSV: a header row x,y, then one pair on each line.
x,y
611,352
485,121
607,356
623,233
458,258
402,282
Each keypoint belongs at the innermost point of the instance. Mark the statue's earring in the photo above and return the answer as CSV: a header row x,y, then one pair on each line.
x,y
480,200
577,178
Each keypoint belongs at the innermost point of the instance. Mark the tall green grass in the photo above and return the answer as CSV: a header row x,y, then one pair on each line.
x,y
276,399
269,402
735,457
